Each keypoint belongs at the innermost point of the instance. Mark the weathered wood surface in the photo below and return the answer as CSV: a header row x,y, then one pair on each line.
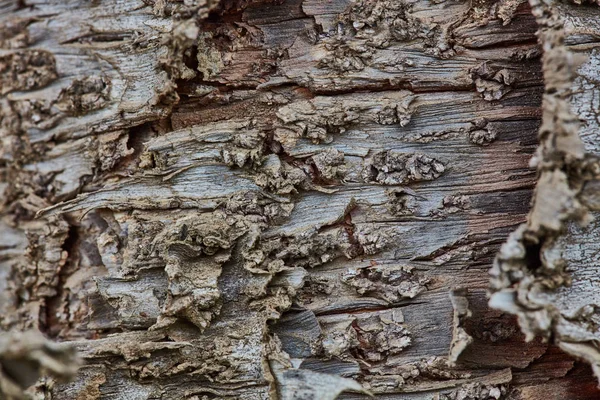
x,y
256,199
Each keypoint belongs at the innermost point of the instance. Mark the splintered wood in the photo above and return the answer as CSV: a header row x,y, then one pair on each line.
x,y
299,199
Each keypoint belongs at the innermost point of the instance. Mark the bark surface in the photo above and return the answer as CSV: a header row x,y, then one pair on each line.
x,y
299,199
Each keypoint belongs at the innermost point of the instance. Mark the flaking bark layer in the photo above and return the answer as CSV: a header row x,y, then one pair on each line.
x,y
278,199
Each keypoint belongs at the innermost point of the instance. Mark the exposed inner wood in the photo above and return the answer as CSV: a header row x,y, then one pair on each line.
x,y
295,199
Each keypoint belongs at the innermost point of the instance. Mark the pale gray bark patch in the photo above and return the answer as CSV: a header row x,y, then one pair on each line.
x,y
460,338
306,384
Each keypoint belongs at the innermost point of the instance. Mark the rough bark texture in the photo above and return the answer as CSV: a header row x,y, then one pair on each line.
x,y
547,271
299,199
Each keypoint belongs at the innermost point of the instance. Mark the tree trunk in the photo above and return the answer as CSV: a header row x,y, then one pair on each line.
x,y
254,199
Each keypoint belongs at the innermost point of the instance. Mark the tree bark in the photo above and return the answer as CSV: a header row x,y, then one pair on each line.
x,y
299,199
